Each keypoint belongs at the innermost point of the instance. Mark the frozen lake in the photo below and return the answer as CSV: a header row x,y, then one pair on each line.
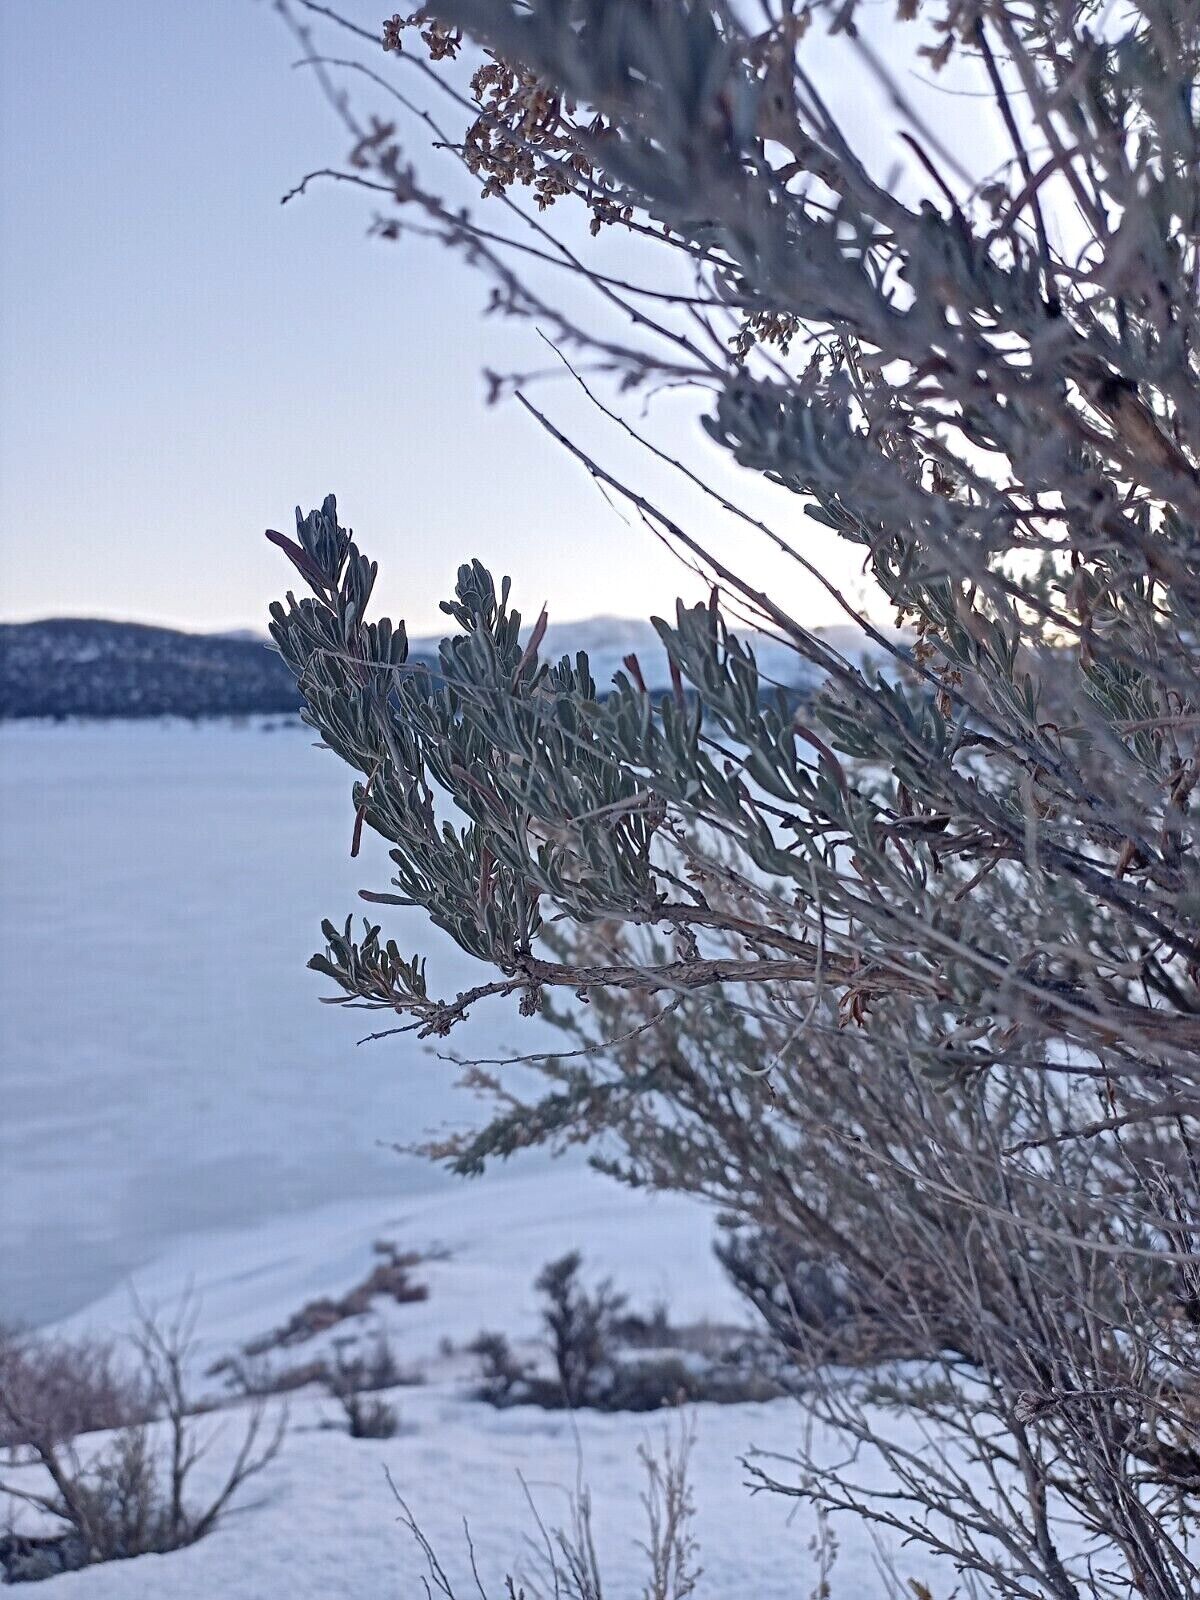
x,y
167,1066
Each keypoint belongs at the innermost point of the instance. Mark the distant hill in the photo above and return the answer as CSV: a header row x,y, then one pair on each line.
x,y
85,667
79,667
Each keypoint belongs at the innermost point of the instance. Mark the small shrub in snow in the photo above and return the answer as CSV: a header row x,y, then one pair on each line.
x,y
368,1418
352,1381
500,1368
579,1326
592,1340
58,1388
129,1495
391,1278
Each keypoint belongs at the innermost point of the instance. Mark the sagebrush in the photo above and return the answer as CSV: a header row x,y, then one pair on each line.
x,y
906,980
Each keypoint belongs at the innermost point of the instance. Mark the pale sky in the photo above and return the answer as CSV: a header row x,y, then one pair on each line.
x,y
184,360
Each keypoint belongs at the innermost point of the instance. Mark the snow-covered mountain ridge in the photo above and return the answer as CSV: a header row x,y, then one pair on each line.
x,y
92,667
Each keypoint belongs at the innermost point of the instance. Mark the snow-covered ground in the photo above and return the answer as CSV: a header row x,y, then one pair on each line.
x,y
321,1523
181,1115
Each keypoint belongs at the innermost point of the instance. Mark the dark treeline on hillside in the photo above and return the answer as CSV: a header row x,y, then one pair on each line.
x,y
88,667
81,667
